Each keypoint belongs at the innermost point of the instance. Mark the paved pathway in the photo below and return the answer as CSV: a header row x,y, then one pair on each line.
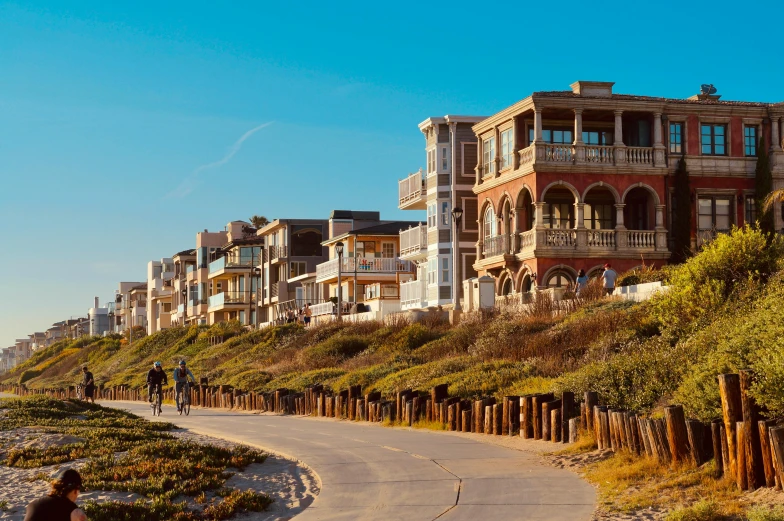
x,y
374,473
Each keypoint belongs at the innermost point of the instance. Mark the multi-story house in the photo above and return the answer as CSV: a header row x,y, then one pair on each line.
x,y
233,276
572,180
54,334
370,266
7,359
160,290
292,250
184,263
139,305
23,349
77,327
446,183
121,315
197,278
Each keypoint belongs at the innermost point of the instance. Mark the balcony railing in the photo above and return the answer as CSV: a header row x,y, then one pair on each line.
x,y
596,154
190,268
528,240
382,291
641,239
497,245
229,297
411,294
231,262
277,252
324,308
413,241
412,188
329,269
601,239
560,238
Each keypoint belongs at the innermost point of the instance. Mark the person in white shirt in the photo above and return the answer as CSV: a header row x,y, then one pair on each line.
x,y
608,279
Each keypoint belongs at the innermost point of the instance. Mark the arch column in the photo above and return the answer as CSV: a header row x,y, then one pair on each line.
x,y
539,224
620,148
579,146
658,145
579,226
621,238
775,136
514,236
661,231
538,139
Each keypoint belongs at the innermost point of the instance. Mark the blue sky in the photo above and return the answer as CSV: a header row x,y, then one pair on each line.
x,y
109,109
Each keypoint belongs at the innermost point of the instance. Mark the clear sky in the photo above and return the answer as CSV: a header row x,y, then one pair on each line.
x,y
119,121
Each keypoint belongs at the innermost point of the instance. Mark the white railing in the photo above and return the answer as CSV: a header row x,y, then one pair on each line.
x,y
526,155
382,291
558,153
641,239
560,238
497,245
601,238
411,188
325,308
639,155
329,269
599,154
528,240
411,293
413,240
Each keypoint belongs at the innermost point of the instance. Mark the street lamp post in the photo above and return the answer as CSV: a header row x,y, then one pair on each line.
x,y
184,305
255,273
457,216
339,251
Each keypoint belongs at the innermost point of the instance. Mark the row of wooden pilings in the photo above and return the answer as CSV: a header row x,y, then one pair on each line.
x,y
746,447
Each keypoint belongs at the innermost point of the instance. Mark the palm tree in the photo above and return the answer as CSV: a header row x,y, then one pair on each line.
x,y
259,221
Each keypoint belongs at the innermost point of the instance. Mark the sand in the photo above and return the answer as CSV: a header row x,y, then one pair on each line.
x,y
291,485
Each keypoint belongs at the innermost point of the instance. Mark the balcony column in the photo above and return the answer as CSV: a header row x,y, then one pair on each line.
x,y
497,159
538,139
582,232
514,235
515,148
579,146
541,232
658,145
621,238
661,231
478,168
620,148
775,136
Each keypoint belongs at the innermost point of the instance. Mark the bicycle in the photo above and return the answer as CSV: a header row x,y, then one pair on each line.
x,y
156,402
185,399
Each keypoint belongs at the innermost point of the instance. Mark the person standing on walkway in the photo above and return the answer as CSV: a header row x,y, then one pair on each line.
x,y
582,282
608,279
60,504
88,384
308,314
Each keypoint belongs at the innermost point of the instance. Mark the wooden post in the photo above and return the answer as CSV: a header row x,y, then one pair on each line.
x,y
526,417
555,425
677,436
732,410
466,420
741,475
538,400
755,470
488,419
767,458
505,416
642,425
591,400
547,416
437,395
567,413
696,435
573,429
717,453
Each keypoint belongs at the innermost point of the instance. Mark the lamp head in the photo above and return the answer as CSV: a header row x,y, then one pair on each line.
x,y
339,248
457,213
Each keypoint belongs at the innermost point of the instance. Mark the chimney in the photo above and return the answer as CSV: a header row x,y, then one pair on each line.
x,y
97,305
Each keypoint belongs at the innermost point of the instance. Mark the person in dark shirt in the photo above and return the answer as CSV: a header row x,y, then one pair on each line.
x,y
89,385
60,504
156,378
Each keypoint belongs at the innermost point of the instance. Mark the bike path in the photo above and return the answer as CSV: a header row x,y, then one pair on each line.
x,y
371,473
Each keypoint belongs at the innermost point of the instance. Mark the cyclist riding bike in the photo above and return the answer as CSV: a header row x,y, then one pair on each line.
x,y
156,379
181,375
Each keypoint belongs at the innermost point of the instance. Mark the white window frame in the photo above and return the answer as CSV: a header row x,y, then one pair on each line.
x,y
445,269
488,156
444,159
488,224
507,146
432,271
303,271
384,247
443,209
432,218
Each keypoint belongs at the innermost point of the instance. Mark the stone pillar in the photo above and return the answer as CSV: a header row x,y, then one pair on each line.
x,y
580,230
620,148
661,231
514,237
539,151
775,136
479,246
497,159
539,224
660,216
658,145
621,238
515,148
579,146
478,168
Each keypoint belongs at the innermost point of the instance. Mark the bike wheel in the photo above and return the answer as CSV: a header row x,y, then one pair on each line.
x,y
186,407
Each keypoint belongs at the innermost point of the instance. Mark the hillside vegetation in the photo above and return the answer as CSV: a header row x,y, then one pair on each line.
x,y
722,313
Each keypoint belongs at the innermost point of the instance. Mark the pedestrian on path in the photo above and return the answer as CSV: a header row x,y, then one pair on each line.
x,y
582,282
608,279
89,385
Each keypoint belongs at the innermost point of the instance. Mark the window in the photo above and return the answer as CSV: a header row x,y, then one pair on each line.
x,y
559,279
598,137
750,141
388,250
444,165
714,140
366,249
306,240
507,145
444,270
445,213
432,268
489,224
714,213
431,215
676,138
431,161
555,136
559,215
297,268
488,155
598,216
750,209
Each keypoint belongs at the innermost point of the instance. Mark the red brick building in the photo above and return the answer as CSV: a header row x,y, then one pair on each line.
x,y
570,180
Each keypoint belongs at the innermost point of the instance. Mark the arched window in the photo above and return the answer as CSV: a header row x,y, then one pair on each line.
x,y
559,279
506,287
489,224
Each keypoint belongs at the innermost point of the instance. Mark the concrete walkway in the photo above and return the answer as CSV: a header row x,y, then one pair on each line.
x,y
373,473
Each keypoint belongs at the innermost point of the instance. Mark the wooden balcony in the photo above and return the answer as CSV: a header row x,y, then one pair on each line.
x,y
413,243
412,194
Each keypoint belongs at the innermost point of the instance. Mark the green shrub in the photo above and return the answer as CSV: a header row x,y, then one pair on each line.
x,y
765,513
704,510
334,350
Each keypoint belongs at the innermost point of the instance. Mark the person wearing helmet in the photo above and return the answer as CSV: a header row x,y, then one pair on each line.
x,y
156,378
181,375
60,504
